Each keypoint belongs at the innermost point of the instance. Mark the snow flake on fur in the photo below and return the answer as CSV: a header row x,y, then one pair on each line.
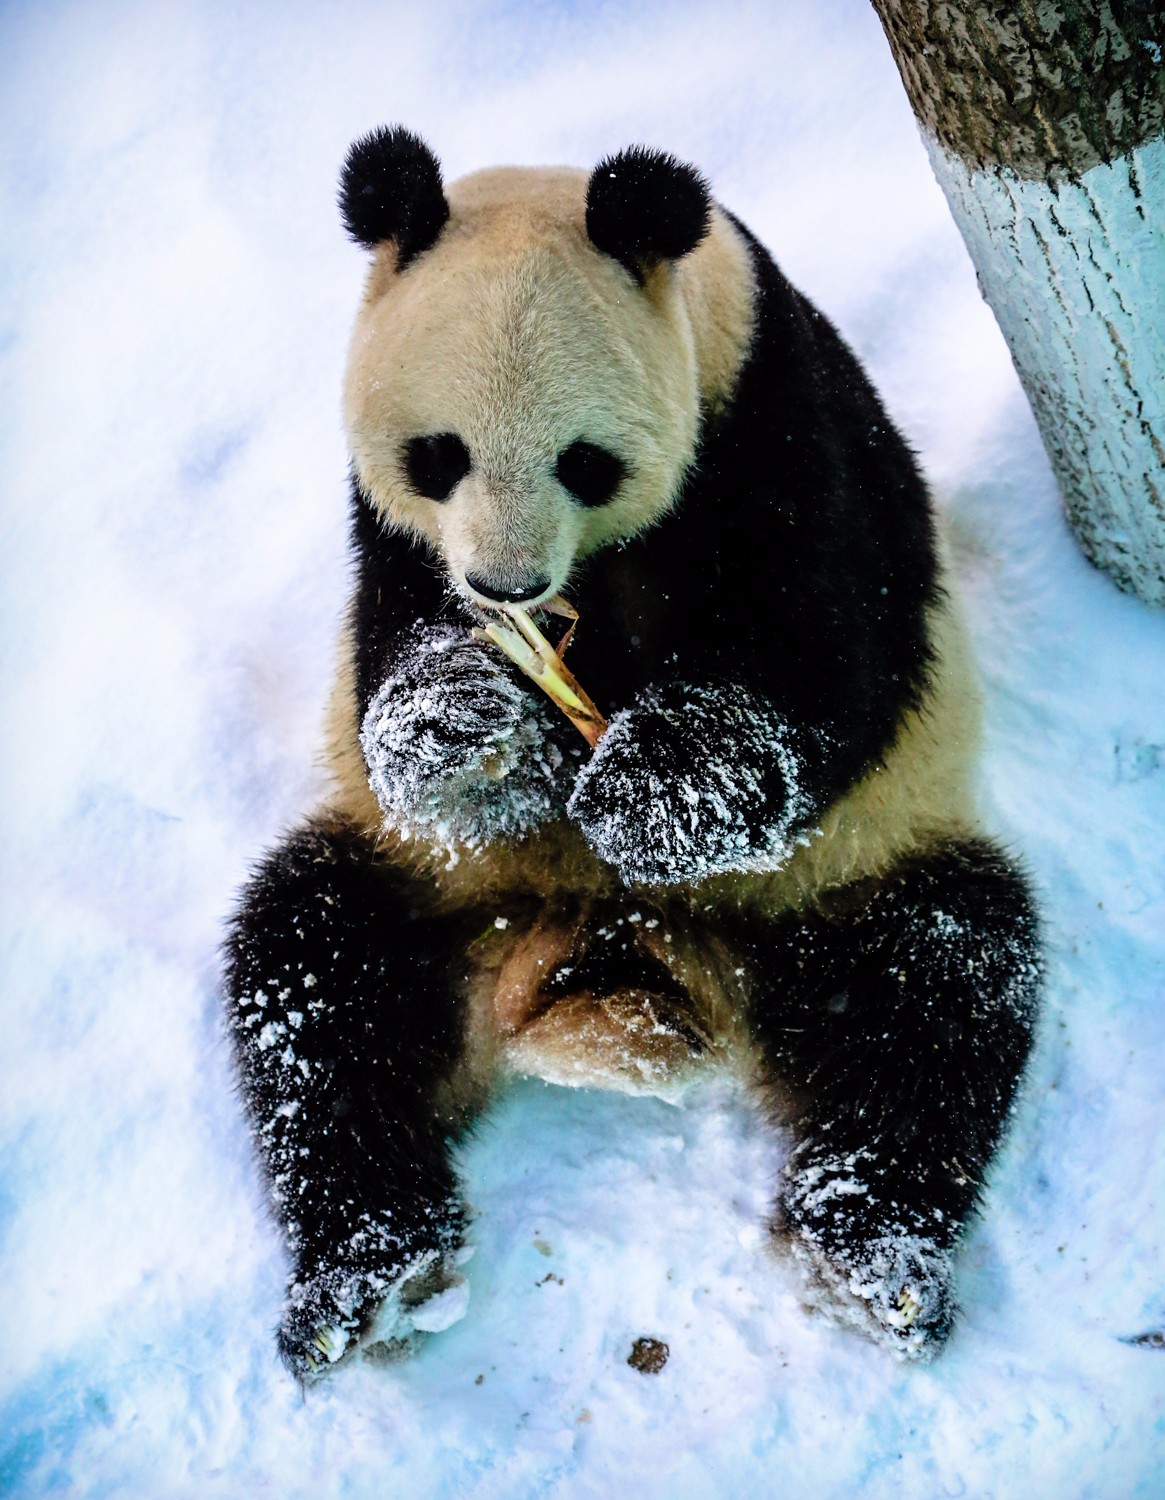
x,y
693,782
457,751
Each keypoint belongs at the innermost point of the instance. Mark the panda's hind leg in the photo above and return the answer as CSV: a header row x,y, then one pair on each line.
x,y
352,1042
899,1023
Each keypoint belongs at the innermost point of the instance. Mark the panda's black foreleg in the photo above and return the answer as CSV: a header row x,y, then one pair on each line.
x,y
350,1040
900,1024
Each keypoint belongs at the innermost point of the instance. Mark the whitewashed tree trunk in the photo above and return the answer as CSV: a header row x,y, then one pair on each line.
x,y
1045,124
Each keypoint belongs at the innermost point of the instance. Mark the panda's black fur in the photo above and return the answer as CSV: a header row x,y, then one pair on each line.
x,y
644,206
758,649
391,190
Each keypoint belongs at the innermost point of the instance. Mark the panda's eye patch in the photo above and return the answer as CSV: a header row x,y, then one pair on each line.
x,y
590,473
435,465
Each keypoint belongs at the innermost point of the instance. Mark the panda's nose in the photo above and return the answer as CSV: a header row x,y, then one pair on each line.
x,y
503,595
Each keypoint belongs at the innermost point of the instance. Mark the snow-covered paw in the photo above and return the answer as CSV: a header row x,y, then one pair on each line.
x,y
693,783
458,750
329,1317
862,1261
895,1291
322,1323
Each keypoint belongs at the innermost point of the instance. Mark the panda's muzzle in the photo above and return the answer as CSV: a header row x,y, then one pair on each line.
x,y
498,594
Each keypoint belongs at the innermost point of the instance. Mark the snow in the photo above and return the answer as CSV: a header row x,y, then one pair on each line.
x,y
443,1309
173,474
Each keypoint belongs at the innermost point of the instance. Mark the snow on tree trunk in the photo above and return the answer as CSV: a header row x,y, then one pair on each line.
x,y
1044,121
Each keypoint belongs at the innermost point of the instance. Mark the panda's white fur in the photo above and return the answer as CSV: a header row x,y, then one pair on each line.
x,y
516,335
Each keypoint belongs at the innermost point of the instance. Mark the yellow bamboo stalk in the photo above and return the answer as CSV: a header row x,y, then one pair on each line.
x,y
516,634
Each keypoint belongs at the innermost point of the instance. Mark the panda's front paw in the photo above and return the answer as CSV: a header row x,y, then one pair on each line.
x,y
457,750
693,783
869,1263
332,1314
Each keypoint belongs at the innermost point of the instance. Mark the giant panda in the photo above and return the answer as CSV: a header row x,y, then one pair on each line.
x,y
599,386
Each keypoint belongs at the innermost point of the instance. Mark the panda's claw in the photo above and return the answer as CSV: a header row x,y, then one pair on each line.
x,y
310,1349
909,1306
331,1347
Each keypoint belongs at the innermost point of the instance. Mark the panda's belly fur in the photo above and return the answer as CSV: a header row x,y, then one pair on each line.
x,y
540,899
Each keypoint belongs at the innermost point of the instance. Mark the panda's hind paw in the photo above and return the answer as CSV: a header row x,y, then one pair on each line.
x,y
329,1317
310,1343
867,1259
895,1290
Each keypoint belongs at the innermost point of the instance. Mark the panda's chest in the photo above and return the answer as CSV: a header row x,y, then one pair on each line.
x,y
640,614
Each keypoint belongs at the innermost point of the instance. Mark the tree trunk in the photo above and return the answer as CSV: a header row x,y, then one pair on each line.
x,y
1045,124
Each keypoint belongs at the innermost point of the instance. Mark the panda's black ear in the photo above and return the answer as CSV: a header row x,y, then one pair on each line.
x,y
644,206
391,189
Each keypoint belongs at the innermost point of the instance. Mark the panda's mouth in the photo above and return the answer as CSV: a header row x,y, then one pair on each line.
x,y
495,596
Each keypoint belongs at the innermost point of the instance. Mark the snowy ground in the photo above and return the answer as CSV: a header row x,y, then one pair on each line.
x,y
176,295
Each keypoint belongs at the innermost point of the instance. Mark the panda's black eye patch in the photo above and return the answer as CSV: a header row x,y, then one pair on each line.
x,y
437,464
590,473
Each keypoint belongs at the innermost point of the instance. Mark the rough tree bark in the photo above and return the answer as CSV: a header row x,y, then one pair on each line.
x,y
1044,121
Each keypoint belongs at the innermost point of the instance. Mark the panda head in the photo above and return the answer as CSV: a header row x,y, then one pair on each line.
x,y
522,385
